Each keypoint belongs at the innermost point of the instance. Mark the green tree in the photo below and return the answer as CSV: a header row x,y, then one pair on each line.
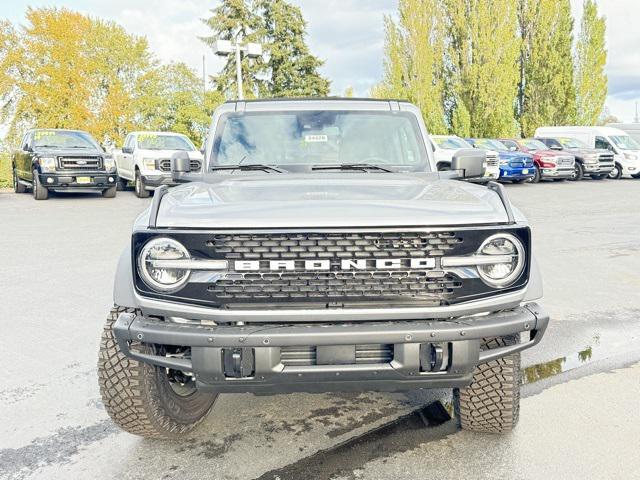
x,y
291,69
175,100
287,68
483,53
590,59
414,60
546,89
237,20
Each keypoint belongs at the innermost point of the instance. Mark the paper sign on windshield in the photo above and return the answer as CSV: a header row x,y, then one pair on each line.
x,y
316,138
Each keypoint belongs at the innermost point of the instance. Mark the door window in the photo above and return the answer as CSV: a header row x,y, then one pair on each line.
x,y
601,142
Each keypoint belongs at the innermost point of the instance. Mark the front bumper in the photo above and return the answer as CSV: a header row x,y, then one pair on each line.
x,y
248,358
564,172
510,173
597,168
78,180
155,180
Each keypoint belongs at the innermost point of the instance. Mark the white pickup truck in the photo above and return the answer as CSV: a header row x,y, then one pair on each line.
x,y
145,159
445,147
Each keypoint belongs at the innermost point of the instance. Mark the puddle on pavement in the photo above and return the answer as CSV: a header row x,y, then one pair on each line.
x,y
589,354
402,434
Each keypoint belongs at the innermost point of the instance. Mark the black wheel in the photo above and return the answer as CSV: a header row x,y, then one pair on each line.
x,y
39,191
110,192
536,177
122,184
17,186
491,404
141,192
616,173
578,172
149,401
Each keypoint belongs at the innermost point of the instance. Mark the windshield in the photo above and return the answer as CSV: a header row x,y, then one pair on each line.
x,y
488,144
318,138
533,144
154,141
572,143
63,139
625,142
451,143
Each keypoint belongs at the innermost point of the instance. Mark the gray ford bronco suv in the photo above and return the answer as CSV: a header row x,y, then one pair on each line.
x,y
319,249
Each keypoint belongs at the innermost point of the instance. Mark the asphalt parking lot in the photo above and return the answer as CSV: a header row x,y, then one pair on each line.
x,y
579,415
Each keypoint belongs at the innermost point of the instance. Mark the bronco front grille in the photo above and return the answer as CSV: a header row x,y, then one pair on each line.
x,y
331,268
80,163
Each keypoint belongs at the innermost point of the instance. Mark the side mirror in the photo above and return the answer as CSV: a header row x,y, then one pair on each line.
x,y
127,150
513,149
469,162
555,147
180,164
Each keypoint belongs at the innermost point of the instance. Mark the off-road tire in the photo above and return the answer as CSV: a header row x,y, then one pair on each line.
x,y
138,396
40,192
141,192
110,192
17,186
578,172
491,404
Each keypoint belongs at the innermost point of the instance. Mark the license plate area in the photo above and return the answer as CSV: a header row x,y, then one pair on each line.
x,y
83,180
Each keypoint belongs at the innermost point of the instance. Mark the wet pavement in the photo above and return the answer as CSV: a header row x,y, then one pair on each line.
x,y
59,258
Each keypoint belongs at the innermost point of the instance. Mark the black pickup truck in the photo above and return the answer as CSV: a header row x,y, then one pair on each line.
x,y
62,160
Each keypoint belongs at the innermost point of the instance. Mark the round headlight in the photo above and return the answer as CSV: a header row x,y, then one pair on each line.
x,y
167,277
509,260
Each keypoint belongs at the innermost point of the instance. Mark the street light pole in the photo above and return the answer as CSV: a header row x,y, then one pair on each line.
x,y
239,72
225,48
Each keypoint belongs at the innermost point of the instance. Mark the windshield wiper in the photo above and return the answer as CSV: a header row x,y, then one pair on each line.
x,y
248,168
352,166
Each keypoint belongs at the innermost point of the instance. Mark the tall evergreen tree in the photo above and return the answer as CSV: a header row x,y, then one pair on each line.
x,y
287,68
546,90
483,53
292,70
237,20
591,58
414,60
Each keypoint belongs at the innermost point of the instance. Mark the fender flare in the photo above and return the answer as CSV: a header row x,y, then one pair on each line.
x,y
123,290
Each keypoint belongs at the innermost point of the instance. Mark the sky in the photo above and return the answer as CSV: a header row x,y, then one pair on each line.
x,y
347,34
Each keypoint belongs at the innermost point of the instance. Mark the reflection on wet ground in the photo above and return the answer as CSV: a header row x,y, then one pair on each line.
x,y
402,434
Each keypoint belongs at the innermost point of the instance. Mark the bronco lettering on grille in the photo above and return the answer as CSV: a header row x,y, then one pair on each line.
x,y
325,265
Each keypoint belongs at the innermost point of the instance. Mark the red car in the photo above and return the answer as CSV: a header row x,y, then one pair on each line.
x,y
552,164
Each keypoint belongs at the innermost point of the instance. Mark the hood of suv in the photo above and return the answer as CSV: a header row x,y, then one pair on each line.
x,y
329,200
586,151
68,152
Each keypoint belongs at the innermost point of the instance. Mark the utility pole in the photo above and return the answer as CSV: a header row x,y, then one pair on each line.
x,y
204,77
225,48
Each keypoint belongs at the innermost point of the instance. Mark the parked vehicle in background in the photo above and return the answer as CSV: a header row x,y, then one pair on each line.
x,y
446,146
631,129
515,167
590,162
550,164
62,161
145,159
625,150
335,257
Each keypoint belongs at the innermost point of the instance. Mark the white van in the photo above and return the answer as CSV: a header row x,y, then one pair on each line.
x,y
633,129
625,149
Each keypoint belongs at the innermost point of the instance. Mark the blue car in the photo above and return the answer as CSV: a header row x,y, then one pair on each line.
x,y
516,167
